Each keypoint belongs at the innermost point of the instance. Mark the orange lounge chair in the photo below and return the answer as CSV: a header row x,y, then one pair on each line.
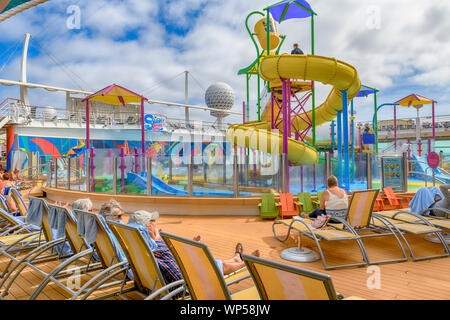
x,y
288,207
395,201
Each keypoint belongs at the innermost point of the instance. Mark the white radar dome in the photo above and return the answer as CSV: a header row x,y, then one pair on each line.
x,y
219,96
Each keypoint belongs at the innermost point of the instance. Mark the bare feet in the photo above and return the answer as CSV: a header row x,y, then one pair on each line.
x,y
197,238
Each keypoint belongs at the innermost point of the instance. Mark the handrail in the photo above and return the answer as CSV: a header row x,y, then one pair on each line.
x,y
426,177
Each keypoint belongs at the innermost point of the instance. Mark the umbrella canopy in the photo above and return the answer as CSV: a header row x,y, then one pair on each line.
x,y
290,9
414,100
8,8
115,94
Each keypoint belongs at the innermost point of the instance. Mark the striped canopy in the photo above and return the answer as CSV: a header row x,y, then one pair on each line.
x,y
9,8
117,95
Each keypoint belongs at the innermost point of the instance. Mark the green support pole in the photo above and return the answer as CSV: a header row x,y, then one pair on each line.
x,y
248,99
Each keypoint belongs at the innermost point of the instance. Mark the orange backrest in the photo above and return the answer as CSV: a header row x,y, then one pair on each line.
x,y
287,202
391,196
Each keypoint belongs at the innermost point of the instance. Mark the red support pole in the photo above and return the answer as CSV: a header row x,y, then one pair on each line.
x,y
87,125
142,127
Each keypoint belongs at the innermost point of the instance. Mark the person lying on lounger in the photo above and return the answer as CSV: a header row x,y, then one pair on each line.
x,y
166,261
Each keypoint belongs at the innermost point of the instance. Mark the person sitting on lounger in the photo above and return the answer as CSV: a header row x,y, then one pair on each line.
x,y
334,201
443,203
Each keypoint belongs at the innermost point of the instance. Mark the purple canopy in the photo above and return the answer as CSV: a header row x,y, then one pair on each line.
x,y
290,9
365,93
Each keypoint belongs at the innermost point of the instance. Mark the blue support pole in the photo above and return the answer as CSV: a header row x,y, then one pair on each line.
x,y
339,147
346,145
333,134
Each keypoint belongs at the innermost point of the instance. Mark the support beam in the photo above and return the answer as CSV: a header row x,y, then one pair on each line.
x,y
339,147
346,144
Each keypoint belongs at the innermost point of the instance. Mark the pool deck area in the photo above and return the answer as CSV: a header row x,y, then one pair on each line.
x,y
408,280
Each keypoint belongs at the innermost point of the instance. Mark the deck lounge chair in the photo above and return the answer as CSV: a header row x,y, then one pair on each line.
x,y
20,203
203,279
268,207
305,202
277,281
419,224
43,254
317,201
146,273
13,225
288,208
359,218
113,268
395,202
13,245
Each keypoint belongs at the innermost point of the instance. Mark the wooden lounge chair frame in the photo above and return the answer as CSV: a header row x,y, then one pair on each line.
x,y
266,197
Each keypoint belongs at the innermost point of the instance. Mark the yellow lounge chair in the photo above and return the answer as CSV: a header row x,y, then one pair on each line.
x,y
113,269
13,245
50,252
202,277
20,203
146,273
277,281
417,224
359,218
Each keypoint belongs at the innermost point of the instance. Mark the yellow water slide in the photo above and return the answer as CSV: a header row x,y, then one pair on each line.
x,y
329,71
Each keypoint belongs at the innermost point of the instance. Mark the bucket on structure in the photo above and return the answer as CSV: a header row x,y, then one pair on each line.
x,y
261,33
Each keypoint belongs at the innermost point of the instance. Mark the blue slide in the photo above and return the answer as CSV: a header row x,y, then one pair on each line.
x,y
159,187
422,165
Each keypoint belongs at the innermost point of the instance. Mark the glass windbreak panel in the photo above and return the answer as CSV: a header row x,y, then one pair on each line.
x,y
358,172
259,172
61,173
170,172
376,171
103,170
129,178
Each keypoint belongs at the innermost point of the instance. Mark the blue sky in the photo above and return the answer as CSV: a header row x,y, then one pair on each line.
x,y
399,48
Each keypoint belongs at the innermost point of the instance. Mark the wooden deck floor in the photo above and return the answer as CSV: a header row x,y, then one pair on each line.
x,y
404,280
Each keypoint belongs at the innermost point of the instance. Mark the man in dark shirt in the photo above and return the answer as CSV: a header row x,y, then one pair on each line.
x,y
296,50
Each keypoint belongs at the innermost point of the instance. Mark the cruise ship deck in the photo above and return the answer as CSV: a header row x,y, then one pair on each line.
x,y
408,280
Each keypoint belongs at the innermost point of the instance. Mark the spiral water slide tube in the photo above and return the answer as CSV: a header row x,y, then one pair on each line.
x,y
329,71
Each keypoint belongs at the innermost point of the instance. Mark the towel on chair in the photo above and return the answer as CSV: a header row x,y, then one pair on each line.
x,y
424,198
35,212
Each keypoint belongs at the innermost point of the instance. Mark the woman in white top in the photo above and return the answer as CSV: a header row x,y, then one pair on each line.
x,y
334,201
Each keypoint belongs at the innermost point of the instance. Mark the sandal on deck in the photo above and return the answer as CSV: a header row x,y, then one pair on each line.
x,y
239,249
